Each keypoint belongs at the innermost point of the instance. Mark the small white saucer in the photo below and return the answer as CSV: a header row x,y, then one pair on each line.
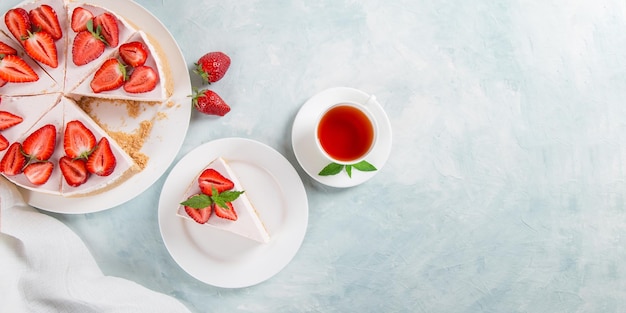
x,y
303,137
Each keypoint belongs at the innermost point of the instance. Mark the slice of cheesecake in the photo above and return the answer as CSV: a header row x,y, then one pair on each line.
x,y
44,83
157,94
76,74
248,224
124,167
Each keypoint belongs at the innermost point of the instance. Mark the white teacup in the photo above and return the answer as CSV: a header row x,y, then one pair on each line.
x,y
346,132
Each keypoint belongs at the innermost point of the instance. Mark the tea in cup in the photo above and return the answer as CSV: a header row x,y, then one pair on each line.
x,y
346,133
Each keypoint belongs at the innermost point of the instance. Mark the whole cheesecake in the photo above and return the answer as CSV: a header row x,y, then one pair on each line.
x,y
51,76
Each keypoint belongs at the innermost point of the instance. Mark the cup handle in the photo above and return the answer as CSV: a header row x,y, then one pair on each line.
x,y
369,101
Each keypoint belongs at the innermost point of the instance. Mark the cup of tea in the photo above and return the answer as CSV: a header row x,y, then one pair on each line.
x,y
346,133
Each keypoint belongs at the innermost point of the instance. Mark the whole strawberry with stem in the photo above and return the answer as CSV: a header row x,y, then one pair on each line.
x,y
212,66
209,102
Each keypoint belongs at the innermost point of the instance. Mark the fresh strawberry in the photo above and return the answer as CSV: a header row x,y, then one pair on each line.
x,y
200,215
102,161
110,76
39,145
4,143
38,173
14,69
134,53
8,119
209,102
227,213
78,140
212,66
6,49
107,23
210,179
142,79
74,171
88,45
45,18
13,161
18,23
80,16
40,46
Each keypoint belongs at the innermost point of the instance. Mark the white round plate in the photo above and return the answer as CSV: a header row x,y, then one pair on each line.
x,y
223,259
303,136
167,132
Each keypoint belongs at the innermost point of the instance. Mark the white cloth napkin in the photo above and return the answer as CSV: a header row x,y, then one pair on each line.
x,y
45,267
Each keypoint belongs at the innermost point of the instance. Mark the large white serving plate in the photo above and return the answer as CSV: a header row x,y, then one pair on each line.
x,y
167,134
223,259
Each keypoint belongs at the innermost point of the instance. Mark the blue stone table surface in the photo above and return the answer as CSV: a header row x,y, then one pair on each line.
x,y
505,188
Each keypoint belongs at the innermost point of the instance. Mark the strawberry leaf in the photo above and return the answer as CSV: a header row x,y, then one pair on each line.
x,y
349,170
199,201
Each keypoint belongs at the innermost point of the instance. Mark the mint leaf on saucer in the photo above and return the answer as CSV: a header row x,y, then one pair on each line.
x,y
364,166
331,169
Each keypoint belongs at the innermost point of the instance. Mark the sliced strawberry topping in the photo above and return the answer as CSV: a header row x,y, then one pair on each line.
x,y
40,46
80,16
13,161
4,143
18,23
111,75
45,18
78,140
142,79
102,161
14,69
6,49
8,119
210,179
74,171
88,45
38,173
134,53
108,27
227,213
40,144
200,215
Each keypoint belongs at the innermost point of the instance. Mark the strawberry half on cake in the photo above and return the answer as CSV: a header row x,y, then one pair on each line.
x,y
217,199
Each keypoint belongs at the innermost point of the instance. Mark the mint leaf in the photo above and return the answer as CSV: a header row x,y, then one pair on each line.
x,y
349,170
200,201
364,166
331,169
229,195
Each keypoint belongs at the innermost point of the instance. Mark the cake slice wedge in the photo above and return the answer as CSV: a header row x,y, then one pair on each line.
x,y
77,73
157,93
44,83
247,224
29,108
124,164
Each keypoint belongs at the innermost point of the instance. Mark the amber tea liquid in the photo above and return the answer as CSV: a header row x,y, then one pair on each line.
x,y
345,133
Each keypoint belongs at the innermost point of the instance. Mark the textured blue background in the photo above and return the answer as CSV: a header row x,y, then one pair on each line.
x,y
504,191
